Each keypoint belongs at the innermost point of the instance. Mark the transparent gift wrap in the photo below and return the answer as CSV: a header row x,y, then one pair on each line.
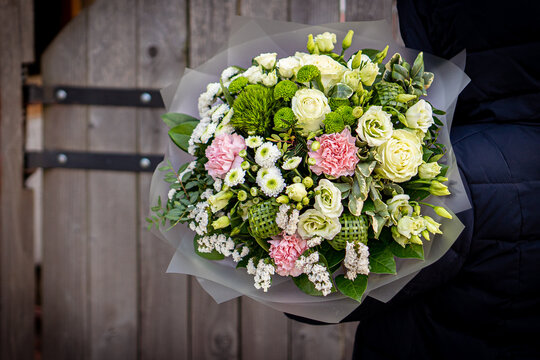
x,y
310,177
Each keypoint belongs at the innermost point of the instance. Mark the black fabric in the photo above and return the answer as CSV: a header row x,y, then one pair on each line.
x,y
482,299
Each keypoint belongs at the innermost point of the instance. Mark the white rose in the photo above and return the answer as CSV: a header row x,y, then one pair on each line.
x,y
270,79
400,156
328,201
369,72
296,191
314,223
428,171
420,116
253,74
289,66
331,70
408,226
266,60
309,106
351,78
325,42
375,126
398,207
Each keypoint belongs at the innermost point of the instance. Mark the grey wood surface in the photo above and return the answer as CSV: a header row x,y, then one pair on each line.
x,y
65,199
164,298
106,294
16,248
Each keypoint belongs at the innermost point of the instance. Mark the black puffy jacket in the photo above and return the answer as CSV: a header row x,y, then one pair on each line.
x,y
482,299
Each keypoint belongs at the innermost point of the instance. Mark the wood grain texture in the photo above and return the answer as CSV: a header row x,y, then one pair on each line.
x,y
65,226
209,24
214,327
362,10
112,196
26,25
16,250
322,342
164,298
269,9
264,332
314,12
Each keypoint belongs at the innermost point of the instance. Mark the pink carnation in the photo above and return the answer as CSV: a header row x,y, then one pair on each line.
x,y
285,250
222,154
336,156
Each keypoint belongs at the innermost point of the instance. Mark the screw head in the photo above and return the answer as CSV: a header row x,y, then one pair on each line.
x,y
145,163
61,94
62,158
145,98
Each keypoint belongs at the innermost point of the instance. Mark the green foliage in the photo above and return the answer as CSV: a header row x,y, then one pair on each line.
x,y
181,134
174,119
285,90
414,80
346,113
307,73
333,123
303,283
284,118
340,91
333,257
381,258
410,251
352,288
252,109
238,84
336,103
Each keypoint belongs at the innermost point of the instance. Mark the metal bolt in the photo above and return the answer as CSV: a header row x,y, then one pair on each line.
x,y
61,94
146,98
145,163
62,158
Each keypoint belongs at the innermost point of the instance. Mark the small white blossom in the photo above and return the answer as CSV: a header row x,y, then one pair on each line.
x,y
272,185
267,154
200,218
235,176
250,267
263,275
317,240
282,217
293,222
220,243
171,193
227,74
254,141
317,273
356,260
291,163
207,193
239,255
218,184
263,172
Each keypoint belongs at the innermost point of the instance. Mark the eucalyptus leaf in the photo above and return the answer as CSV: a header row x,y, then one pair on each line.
x,y
341,91
352,288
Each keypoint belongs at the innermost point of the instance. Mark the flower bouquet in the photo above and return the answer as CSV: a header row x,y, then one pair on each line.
x,y
311,172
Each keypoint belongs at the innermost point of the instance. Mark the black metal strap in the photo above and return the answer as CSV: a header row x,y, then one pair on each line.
x,y
76,95
91,160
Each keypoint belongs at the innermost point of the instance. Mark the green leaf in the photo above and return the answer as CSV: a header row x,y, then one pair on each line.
x,y
410,251
263,244
427,154
214,255
175,119
227,94
332,256
353,289
437,111
181,134
303,283
341,91
418,67
437,121
381,259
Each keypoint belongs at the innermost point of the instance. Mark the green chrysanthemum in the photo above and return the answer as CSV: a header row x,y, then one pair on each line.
x,y
333,123
346,113
252,109
285,90
284,118
307,73
237,85
336,103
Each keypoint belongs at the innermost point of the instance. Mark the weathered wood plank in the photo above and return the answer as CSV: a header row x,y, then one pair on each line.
x,y
26,25
271,9
209,24
16,251
65,226
322,342
264,332
164,298
359,10
112,196
314,12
